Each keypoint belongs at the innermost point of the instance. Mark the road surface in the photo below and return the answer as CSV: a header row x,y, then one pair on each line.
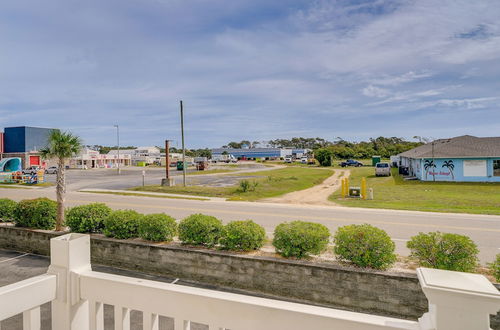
x,y
400,225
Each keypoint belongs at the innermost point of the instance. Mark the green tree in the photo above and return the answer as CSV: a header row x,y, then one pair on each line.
x,y
234,145
323,156
61,145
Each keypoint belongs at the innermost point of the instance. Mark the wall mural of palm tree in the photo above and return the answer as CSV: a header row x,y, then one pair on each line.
x,y
429,165
450,166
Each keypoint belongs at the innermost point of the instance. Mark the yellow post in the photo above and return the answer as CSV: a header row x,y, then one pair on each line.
x,y
363,188
343,188
347,186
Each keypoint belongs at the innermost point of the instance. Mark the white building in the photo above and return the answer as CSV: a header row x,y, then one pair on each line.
x,y
89,158
141,155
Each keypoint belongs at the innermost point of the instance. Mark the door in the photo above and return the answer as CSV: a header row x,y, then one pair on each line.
x,y
34,160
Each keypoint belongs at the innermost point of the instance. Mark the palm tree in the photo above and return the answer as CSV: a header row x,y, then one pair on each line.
x,y
450,166
428,165
61,145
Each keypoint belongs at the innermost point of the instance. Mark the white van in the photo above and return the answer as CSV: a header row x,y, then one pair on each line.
x,y
382,169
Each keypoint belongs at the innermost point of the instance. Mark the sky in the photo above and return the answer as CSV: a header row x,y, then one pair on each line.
x,y
251,69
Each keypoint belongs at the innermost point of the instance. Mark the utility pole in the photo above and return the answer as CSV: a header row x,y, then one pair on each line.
x,y
183,147
118,143
168,181
167,165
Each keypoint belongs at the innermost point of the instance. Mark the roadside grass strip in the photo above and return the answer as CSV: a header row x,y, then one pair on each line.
x,y
142,195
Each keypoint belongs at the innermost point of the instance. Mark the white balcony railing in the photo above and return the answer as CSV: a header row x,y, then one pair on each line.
x,y
457,301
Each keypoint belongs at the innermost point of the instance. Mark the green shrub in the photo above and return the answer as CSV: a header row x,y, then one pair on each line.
x,y
495,268
122,224
200,229
246,186
444,251
7,207
364,246
157,227
87,218
300,238
243,236
39,213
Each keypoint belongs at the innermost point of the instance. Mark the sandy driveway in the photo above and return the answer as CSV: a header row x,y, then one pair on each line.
x,y
317,195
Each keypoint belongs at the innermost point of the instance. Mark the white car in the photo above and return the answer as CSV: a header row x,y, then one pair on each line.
x,y
382,169
303,160
51,170
288,160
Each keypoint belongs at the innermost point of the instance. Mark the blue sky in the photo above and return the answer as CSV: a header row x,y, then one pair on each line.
x,y
251,69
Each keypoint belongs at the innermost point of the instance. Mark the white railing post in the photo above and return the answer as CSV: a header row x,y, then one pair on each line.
x,y
457,301
69,255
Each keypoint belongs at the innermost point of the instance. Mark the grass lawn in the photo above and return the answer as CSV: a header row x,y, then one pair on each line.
x,y
395,193
272,183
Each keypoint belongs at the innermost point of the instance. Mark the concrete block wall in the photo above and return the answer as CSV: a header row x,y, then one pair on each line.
x,y
382,293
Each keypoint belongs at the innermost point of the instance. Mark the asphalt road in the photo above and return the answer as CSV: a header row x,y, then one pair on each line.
x,y
132,177
400,225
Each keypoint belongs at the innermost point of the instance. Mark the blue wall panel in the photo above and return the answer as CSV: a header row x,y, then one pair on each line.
x,y
25,139
14,139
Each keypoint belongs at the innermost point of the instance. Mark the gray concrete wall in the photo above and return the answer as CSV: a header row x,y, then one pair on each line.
x,y
382,293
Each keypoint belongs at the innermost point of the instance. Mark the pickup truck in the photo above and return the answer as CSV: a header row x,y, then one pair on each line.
x,y
31,170
351,162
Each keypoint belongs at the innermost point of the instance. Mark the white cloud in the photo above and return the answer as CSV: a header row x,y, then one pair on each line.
x,y
373,91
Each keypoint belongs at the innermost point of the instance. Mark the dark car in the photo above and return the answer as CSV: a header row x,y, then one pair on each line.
x,y
351,162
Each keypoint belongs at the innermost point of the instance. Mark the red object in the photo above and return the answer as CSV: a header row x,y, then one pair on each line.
x,y
1,143
34,160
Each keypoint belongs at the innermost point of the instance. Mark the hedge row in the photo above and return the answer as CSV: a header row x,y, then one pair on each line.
x,y
361,245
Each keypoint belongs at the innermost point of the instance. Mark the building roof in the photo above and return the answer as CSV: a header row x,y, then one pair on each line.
x,y
122,151
465,146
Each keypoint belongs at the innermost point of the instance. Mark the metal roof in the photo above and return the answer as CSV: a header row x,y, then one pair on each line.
x,y
465,146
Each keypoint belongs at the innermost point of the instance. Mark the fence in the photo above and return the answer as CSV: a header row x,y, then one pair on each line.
x,y
457,301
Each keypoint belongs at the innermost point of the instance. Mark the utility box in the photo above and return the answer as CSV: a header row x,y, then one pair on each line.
x,y
354,192
375,160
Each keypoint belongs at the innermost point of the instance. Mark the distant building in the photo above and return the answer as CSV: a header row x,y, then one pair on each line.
x,y
140,155
263,153
460,159
24,142
88,158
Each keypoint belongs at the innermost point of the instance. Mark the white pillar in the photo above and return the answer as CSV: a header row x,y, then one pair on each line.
x,y
69,255
457,301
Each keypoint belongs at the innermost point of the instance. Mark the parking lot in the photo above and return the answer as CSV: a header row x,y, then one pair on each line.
x,y
132,176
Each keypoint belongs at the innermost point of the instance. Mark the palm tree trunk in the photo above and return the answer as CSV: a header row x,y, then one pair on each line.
x,y
60,187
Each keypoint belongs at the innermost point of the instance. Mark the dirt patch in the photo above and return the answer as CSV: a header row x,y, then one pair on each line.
x,y
317,195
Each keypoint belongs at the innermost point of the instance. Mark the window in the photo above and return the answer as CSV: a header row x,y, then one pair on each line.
x,y
475,168
496,167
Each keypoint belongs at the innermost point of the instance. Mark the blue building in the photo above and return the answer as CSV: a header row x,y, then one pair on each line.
x,y
460,159
25,143
25,139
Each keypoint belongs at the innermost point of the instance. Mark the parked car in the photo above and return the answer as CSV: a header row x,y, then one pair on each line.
x,y
288,160
382,169
51,170
351,162
31,170
303,160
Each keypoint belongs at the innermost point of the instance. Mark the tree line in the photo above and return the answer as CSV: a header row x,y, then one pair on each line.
x,y
381,146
